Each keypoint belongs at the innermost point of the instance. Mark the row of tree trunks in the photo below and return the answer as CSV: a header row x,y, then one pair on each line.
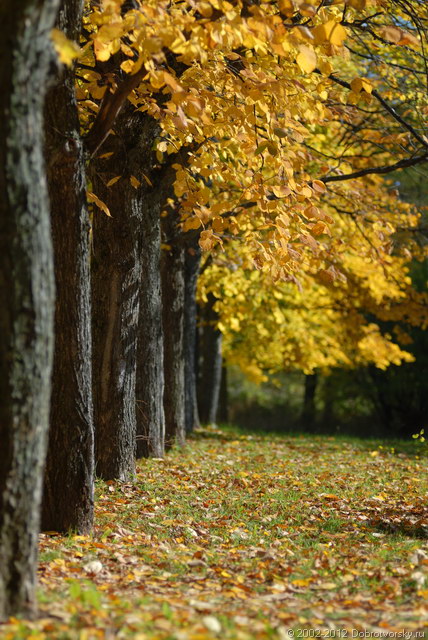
x,y
70,460
26,291
126,255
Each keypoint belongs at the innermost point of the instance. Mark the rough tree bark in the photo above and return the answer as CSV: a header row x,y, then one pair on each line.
x,y
26,292
192,261
150,359
68,500
210,363
172,270
151,347
116,290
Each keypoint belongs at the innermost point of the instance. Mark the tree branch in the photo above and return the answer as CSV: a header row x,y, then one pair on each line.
x,y
401,164
386,106
109,109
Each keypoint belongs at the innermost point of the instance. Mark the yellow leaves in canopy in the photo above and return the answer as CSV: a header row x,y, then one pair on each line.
x,y
361,84
331,31
66,49
306,58
385,355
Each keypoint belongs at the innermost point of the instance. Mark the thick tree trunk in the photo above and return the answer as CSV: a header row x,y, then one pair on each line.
x,y
26,293
173,329
116,291
68,500
150,371
210,358
191,271
308,410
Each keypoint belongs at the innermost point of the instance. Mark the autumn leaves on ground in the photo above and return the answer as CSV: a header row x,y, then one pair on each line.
x,y
246,536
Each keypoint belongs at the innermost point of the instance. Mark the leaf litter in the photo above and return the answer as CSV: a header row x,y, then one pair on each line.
x,y
245,536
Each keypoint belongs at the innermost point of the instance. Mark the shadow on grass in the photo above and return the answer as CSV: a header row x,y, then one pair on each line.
x,y
227,433
401,528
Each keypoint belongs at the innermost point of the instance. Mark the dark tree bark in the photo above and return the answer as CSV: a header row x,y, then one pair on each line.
x,y
191,271
26,293
210,359
68,500
116,290
150,363
172,269
308,411
223,401
150,367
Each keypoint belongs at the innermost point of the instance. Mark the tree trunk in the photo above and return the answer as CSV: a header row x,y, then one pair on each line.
x,y
26,292
223,401
191,271
116,291
68,500
150,365
308,411
210,363
173,329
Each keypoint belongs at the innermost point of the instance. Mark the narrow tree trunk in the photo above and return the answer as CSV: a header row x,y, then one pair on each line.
x,y
116,291
210,363
150,366
173,329
328,396
191,271
308,410
223,402
26,293
68,500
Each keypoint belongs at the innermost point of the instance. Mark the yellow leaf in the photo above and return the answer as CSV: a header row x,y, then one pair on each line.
x,y
127,66
286,7
361,84
134,182
66,49
147,179
206,240
281,133
113,181
172,82
326,276
391,34
331,31
306,58
327,585
302,582
100,204
318,185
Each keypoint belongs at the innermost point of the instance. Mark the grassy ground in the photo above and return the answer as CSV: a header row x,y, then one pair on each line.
x,y
247,536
